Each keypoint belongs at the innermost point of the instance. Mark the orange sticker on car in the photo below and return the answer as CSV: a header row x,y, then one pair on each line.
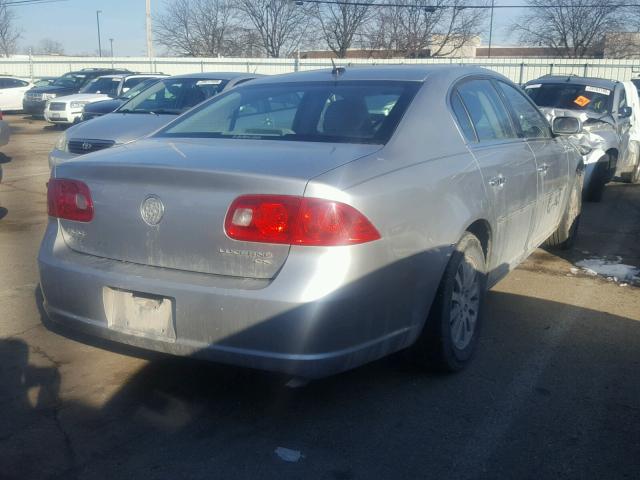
x,y
582,101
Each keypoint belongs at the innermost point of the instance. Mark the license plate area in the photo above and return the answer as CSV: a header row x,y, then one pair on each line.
x,y
54,115
141,314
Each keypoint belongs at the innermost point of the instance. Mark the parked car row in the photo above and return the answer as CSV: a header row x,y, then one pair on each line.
x,y
610,132
306,223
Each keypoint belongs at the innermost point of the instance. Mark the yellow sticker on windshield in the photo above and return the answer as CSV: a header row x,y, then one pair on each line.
x,y
582,101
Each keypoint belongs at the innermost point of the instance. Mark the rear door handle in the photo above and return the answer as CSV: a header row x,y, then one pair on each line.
x,y
498,181
543,168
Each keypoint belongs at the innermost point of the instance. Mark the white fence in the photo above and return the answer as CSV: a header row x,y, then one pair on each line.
x,y
519,70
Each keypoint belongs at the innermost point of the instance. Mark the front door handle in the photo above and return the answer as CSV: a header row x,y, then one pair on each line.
x,y
497,182
543,168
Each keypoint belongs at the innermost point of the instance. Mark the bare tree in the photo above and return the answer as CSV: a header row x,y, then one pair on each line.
x,y
47,46
415,28
280,24
9,34
195,27
340,23
573,28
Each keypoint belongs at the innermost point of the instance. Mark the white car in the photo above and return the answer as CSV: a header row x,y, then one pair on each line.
x,y
12,90
68,110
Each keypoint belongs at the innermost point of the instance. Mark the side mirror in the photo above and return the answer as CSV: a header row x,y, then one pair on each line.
x,y
125,89
566,126
625,112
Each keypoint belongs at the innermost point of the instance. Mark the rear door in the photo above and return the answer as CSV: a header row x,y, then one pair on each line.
x,y
508,168
551,162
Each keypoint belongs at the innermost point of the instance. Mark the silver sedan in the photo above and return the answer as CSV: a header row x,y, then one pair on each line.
x,y
310,223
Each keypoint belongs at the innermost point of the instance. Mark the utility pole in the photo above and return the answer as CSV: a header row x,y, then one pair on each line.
x,y
111,41
98,12
490,29
149,33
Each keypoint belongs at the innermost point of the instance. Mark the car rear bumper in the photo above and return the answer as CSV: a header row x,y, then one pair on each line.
x,y
32,107
310,328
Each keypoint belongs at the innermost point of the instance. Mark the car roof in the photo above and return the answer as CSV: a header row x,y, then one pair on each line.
x,y
216,75
410,73
131,75
576,80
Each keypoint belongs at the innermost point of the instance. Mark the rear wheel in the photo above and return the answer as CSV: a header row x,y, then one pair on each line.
x,y
565,235
451,331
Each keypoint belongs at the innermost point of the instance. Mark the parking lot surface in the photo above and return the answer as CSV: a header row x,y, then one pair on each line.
x,y
554,391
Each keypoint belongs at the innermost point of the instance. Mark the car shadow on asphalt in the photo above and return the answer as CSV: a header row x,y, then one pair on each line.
x,y
4,158
547,382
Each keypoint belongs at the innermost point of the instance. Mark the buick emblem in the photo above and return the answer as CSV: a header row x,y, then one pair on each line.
x,y
86,146
152,210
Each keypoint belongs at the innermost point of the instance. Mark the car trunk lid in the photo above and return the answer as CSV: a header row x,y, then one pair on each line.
x,y
190,185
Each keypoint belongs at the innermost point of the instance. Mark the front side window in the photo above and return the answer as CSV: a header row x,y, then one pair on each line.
x,y
350,112
531,122
173,96
571,96
488,114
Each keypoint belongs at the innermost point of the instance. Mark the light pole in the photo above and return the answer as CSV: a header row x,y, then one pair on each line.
x,y
111,41
490,29
98,12
148,29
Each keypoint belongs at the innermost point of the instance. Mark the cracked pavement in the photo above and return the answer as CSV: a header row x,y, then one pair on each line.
x,y
554,391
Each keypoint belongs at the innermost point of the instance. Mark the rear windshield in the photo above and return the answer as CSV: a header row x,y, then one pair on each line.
x,y
104,85
350,112
173,96
571,96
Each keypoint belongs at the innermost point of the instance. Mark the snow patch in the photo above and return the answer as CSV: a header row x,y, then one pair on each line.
x,y
288,455
613,270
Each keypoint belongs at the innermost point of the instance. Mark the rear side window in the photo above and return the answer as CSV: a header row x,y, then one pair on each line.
x,y
488,114
531,122
462,117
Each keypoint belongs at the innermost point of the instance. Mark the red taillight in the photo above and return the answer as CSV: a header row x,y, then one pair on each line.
x,y
297,221
69,199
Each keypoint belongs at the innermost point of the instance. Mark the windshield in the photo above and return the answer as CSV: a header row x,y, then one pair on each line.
x,y
70,80
104,85
132,92
350,112
173,96
571,96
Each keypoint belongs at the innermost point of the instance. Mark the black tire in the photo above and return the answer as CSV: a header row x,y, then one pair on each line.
x,y
436,349
595,189
567,232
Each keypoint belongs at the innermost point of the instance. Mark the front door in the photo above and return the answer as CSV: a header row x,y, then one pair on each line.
x,y
551,157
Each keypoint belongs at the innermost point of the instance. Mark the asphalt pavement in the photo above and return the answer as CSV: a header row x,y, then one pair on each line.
x,y
554,391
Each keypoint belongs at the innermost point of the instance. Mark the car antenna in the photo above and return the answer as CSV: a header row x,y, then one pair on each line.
x,y
337,70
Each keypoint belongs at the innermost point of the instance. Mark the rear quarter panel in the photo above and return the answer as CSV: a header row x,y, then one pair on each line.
x,y
421,191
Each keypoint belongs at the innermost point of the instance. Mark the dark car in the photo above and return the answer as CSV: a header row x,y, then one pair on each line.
x,y
35,99
97,109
